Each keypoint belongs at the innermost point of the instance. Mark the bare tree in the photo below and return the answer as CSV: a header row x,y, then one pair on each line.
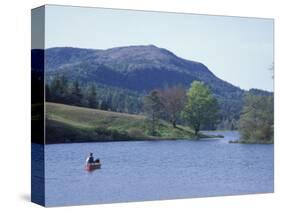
x,y
173,99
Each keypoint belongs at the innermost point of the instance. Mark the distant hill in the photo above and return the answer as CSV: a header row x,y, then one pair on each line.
x,y
139,68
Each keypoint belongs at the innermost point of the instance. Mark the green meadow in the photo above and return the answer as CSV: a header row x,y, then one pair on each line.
x,y
65,123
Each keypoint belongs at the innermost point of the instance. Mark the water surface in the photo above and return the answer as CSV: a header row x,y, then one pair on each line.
x,y
155,170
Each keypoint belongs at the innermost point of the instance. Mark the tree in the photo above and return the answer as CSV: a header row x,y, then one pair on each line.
x,y
153,108
92,97
104,105
201,106
256,120
58,90
48,93
173,100
76,94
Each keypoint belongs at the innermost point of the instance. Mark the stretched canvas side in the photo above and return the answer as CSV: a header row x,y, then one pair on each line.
x,y
37,106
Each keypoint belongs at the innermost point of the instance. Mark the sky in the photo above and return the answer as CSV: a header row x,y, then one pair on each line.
x,y
237,50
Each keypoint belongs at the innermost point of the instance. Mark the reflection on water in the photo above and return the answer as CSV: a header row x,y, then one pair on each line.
x,y
154,170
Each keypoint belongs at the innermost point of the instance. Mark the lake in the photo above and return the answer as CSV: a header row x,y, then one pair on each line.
x,y
157,170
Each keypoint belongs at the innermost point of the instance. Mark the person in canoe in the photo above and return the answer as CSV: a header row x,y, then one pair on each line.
x,y
92,164
90,159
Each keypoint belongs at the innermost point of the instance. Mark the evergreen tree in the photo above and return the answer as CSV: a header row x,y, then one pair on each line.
x,y
48,93
76,94
153,108
92,97
59,89
104,105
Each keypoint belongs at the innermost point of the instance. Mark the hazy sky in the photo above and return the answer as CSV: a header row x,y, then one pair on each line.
x,y
237,50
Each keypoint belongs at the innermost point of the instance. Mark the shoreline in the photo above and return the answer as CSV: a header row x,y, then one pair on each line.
x,y
249,142
136,140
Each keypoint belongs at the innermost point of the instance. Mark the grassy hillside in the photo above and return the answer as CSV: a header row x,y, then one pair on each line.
x,y
66,123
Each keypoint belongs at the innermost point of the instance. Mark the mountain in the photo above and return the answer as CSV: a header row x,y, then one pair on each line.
x,y
138,68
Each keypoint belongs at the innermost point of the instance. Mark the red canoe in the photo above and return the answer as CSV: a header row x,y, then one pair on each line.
x,y
92,166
